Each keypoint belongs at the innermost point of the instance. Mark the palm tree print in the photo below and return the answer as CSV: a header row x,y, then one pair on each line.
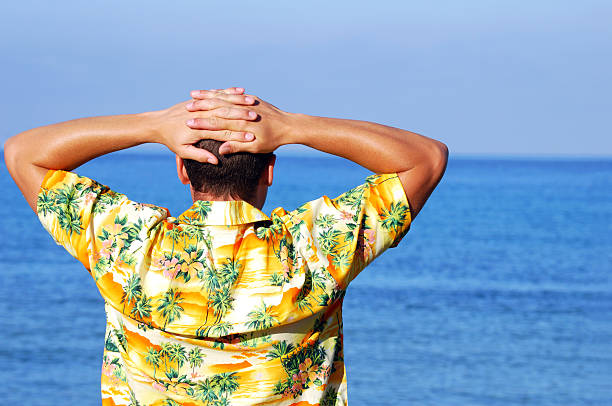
x,y
195,358
227,382
194,232
229,271
280,349
295,230
341,260
277,279
328,240
68,198
218,284
125,259
100,268
131,291
175,233
142,307
323,299
202,208
221,302
106,198
320,278
314,290
216,390
306,256
45,203
109,344
254,339
205,391
69,221
394,217
304,303
220,329
129,233
353,198
211,280
178,355
262,318
169,306
164,353
152,357
325,221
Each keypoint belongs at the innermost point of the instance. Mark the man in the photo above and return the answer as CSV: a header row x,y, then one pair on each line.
x,y
223,304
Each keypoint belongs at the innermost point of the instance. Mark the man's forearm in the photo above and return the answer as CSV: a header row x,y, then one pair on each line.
x,y
419,161
67,145
70,144
377,147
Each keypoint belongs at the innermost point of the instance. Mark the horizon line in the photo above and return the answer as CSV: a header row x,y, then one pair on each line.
x,y
291,151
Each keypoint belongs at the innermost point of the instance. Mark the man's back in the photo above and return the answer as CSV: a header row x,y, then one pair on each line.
x,y
223,304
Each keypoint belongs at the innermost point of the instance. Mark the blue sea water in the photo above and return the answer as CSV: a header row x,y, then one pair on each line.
x,y
501,293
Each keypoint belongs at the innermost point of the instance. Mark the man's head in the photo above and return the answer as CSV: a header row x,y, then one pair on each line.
x,y
241,176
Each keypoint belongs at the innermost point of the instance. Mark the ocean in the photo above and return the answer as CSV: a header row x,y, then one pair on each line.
x,y
500,294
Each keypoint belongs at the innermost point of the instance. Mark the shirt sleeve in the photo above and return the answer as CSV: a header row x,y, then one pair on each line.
x,y
347,233
103,229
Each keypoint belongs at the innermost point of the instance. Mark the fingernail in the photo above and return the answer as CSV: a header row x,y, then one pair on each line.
x,y
211,161
240,89
252,114
249,136
195,93
191,121
189,105
249,99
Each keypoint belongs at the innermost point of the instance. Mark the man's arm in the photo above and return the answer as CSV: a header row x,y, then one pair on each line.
x,y
67,145
419,161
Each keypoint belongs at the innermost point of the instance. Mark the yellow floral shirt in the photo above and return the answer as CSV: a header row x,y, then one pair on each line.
x,y
223,305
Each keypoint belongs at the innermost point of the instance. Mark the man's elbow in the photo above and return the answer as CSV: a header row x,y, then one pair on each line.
x,y
11,153
16,157
437,159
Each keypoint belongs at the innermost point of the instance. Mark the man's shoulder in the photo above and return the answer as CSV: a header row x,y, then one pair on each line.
x,y
65,193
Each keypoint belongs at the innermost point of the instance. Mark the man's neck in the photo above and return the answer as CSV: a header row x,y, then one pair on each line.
x,y
195,195
258,200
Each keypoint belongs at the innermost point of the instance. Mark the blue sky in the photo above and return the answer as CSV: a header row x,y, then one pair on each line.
x,y
486,77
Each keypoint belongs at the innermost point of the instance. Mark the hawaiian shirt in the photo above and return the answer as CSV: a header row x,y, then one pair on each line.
x,y
223,305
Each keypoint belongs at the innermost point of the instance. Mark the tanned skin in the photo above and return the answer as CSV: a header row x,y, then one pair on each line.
x,y
245,123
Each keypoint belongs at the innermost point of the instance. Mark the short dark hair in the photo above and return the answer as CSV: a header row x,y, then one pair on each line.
x,y
236,175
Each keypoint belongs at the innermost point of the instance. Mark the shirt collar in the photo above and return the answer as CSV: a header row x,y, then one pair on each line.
x,y
218,213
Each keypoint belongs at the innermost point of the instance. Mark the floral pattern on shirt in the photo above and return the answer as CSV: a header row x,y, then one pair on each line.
x,y
223,305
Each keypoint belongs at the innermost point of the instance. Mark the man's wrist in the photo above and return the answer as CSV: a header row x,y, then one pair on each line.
x,y
298,129
150,124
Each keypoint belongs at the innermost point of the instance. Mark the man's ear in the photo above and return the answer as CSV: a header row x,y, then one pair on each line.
x,y
181,171
269,172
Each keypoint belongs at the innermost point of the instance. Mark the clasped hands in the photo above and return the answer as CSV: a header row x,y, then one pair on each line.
x,y
244,122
